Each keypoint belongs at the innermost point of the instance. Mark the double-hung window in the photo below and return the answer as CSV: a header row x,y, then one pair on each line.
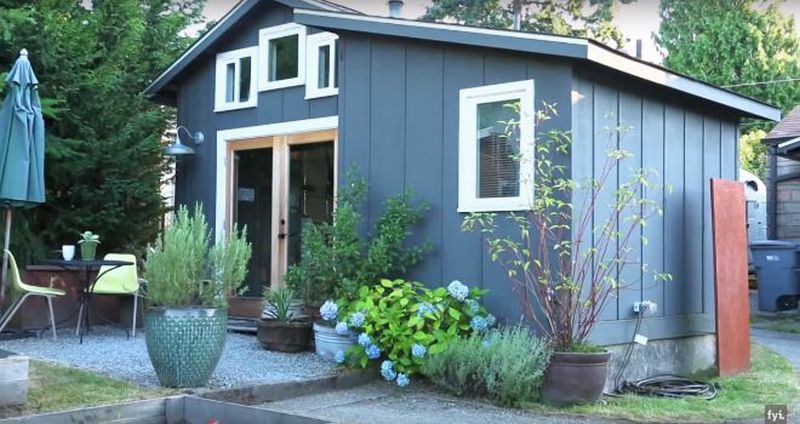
x,y
235,83
322,69
282,56
496,147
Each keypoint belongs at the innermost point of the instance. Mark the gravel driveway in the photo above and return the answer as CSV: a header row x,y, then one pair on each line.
x,y
107,350
787,344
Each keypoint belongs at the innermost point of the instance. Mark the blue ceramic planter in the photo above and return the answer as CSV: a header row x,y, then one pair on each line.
x,y
185,344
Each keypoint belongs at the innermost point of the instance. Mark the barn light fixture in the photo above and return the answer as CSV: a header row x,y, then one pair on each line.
x,y
177,148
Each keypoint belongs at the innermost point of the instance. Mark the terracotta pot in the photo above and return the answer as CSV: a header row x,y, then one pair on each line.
x,y
284,336
575,378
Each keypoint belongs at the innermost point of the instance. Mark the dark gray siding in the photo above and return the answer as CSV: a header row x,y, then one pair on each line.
x,y
196,179
399,124
687,146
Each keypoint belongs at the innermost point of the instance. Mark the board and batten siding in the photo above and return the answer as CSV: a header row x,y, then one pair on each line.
x,y
686,145
399,113
196,179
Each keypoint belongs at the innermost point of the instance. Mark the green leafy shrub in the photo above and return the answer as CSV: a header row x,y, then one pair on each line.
x,y
176,267
506,365
404,322
337,259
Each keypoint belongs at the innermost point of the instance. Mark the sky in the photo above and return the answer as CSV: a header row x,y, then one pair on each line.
x,y
637,20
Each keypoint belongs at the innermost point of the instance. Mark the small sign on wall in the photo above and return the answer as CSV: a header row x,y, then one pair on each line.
x,y
247,194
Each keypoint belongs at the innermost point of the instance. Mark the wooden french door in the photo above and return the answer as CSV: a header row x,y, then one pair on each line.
x,y
278,185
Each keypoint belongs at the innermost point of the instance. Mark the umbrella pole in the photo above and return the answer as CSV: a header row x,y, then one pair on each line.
x,y
6,243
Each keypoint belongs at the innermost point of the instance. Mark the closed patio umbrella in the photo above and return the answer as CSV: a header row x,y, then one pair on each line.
x,y
21,147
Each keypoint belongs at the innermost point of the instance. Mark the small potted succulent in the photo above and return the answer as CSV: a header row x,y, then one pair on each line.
x,y
285,331
88,243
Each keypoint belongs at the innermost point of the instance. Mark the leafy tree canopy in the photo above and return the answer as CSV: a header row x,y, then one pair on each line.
x,y
103,160
565,17
735,43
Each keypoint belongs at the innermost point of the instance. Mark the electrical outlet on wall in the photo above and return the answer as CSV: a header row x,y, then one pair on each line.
x,y
645,307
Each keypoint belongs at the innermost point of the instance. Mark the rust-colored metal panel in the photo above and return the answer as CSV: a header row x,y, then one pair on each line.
x,y
730,270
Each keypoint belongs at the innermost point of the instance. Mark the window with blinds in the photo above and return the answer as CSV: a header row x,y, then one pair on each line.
x,y
496,147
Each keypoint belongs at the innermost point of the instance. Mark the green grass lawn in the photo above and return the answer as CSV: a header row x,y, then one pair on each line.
x,y
784,323
772,380
58,388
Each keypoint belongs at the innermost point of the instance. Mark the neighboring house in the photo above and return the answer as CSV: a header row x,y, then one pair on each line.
x,y
783,178
292,93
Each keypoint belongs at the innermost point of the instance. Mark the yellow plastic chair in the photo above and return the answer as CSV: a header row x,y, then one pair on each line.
x,y
121,281
25,291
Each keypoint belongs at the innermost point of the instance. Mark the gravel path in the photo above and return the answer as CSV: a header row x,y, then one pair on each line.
x,y
107,350
787,344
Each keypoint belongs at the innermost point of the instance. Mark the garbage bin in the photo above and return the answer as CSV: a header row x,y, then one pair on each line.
x,y
777,266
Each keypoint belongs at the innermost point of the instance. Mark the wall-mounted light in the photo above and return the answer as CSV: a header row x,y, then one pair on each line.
x,y
177,148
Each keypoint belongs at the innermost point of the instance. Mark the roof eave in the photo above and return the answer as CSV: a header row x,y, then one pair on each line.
x,y
557,45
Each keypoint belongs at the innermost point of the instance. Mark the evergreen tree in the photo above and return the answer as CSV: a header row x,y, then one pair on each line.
x,y
103,164
745,44
592,18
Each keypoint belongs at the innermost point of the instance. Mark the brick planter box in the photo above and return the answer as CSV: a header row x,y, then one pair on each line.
x,y
34,315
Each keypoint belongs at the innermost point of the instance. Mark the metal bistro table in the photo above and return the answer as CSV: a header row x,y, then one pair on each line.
x,y
88,284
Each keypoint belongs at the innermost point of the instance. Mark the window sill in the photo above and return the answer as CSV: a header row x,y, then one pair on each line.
x,y
277,85
318,94
228,108
493,208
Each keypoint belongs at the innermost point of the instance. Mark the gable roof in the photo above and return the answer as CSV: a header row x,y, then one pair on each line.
x,y
221,27
788,128
324,14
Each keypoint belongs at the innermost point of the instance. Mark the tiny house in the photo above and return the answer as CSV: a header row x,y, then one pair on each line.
x,y
291,93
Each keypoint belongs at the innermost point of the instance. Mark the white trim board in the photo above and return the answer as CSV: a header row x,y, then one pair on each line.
x,y
246,133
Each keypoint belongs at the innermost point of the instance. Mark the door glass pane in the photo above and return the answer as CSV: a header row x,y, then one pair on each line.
x,y
498,148
283,54
310,191
253,207
244,80
324,66
230,82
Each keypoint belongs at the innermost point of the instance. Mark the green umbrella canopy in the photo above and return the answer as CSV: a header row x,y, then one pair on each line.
x,y
21,139
21,148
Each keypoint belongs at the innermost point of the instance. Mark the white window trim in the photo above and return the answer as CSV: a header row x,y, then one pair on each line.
x,y
470,98
223,60
271,33
313,43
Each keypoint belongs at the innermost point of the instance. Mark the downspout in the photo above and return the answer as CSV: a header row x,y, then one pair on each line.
x,y
772,192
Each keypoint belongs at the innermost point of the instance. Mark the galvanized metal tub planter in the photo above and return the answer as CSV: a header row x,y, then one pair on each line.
x,y
185,344
328,342
284,336
575,378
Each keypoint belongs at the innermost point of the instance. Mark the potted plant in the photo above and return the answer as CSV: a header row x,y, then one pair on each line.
x,y
285,331
336,259
88,243
186,321
565,263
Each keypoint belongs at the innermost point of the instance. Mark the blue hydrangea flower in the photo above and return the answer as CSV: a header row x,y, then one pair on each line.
x,y
478,323
458,290
473,305
364,340
373,352
486,343
402,380
341,328
425,308
357,319
329,310
387,370
491,320
339,357
418,350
